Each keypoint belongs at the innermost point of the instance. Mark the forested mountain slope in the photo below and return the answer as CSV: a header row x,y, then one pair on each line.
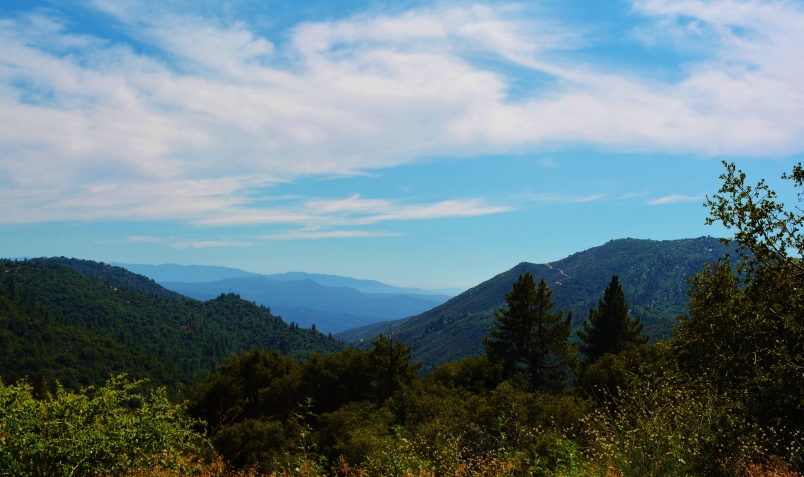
x,y
191,335
35,341
110,273
651,272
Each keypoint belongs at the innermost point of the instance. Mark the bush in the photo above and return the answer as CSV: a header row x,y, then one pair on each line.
x,y
667,426
109,431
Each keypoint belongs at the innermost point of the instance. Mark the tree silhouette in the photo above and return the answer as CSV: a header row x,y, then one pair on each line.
x,y
609,329
530,338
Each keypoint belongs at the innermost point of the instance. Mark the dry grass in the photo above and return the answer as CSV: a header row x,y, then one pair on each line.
x,y
489,466
772,467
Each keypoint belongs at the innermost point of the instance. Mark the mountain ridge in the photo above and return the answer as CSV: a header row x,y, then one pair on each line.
x,y
170,272
652,274
188,337
307,302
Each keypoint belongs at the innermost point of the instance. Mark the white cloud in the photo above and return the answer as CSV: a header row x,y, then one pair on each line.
x,y
304,234
355,211
146,239
674,199
182,244
91,130
550,197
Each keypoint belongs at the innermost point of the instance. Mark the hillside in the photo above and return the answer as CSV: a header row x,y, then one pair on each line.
x,y
191,335
110,273
34,341
306,302
652,274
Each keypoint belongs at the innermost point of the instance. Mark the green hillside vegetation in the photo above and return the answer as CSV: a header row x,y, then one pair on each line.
x,y
118,429
189,336
37,343
109,273
652,274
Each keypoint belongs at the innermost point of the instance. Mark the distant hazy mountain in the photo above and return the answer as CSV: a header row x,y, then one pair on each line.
x,y
170,272
365,286
652,274
306,302
202,273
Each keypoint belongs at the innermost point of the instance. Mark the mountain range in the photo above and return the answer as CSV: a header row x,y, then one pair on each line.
x,y
332,303
203,273
652,273
329,308
78,320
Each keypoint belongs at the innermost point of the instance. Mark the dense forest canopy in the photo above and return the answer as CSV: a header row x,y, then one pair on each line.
x,y
179,342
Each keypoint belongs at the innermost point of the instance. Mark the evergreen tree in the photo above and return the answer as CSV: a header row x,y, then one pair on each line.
x,y
530,337
609,328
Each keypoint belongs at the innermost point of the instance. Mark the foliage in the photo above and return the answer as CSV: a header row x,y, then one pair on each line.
x,y
603,379
119,276
368,408
182,340
96,432
39,344
609,329
747,315
666,427
528,335
254,397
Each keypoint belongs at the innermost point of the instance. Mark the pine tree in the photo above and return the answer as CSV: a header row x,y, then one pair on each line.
x,y
529,337
609,328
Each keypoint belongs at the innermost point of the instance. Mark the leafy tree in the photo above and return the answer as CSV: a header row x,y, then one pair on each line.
x,y
609,328
529,336
746,328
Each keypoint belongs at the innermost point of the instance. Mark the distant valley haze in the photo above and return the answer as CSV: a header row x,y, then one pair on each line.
x,y
333,303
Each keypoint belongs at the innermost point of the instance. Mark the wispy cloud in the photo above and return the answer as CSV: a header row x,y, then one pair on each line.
x,y
674,199
355,210
146,239
633,195
303,234
183,244
92,129
549,197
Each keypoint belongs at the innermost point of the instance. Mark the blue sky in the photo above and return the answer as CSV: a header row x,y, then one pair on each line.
x,y
419,143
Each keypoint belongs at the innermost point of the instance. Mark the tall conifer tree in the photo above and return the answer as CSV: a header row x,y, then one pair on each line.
x,y
530,337
609,328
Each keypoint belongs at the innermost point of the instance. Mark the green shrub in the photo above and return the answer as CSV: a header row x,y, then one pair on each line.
x,y
671,427
112,430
